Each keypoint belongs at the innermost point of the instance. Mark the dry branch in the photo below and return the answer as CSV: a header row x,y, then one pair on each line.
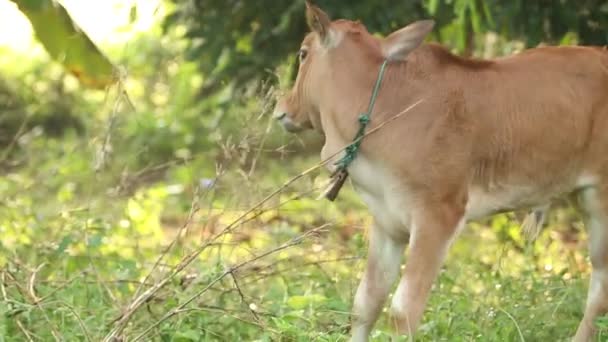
x,y
121,322
298,240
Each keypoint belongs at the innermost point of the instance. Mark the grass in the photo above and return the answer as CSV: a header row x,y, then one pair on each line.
x,y
156,243
75,256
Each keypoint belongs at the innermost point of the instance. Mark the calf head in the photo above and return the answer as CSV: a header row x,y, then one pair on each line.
x,y
333,57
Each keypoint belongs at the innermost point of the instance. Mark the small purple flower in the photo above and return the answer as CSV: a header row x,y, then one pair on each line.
x,y
207,183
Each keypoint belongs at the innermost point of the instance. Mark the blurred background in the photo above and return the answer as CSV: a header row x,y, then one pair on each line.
x,y
137,156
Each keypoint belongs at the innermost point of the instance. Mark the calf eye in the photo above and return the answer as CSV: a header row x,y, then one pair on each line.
x,y
302,54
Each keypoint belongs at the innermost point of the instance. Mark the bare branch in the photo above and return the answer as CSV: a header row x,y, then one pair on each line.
x,y
121,322
243,300
182,306
24,331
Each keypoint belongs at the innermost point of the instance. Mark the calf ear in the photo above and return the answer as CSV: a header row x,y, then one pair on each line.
x,y
319,22
400,43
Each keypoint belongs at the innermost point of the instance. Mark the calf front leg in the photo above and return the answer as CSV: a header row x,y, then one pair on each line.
x,y
434,228
383,262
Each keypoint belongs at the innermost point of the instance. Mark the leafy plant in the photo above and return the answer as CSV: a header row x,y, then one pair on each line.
x,y
236,42
68,44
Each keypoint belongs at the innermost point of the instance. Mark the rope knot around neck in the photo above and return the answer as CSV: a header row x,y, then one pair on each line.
x,y
364,119
350,152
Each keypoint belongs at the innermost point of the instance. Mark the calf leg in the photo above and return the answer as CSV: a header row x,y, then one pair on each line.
x,y
383,262
434,229
595,201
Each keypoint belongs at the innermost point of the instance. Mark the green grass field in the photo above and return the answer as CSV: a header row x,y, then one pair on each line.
x,y
149,223
180,259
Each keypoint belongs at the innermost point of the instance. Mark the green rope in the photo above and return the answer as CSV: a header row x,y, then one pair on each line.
x,y
352,149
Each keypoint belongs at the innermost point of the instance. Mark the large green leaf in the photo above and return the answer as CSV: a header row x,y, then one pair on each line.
x,y
66,43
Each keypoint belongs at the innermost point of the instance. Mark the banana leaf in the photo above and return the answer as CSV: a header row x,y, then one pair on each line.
x,y
66,43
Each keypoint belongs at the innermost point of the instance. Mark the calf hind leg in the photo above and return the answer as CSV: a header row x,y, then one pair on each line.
x,y
595,202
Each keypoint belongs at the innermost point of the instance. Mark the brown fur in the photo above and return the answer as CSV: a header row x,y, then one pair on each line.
x,y
531,126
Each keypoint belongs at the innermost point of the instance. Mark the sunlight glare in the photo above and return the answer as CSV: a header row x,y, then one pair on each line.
x,y
105,22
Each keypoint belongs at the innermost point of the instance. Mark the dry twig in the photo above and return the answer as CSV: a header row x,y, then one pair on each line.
x,y
121,322
242,295
298,240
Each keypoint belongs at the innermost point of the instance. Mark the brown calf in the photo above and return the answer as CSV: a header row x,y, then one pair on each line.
x,y
489,136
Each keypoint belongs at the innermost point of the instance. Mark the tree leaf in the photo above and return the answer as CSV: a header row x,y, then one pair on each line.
x,y
133,14
301,302
487,14
67,43
433,6
475,16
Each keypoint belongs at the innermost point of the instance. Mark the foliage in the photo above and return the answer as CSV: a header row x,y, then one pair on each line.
x,y
71,265
238,41
23,109
552,22
66,43
87,220
74,251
